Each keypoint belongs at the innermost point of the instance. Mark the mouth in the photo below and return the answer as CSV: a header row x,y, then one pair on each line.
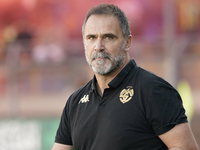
x,y
100,56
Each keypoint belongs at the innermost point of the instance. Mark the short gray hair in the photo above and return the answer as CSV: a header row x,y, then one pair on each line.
x,y
110,9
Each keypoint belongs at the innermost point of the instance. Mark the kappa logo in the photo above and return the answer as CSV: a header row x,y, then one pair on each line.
x,y
84,99
126,94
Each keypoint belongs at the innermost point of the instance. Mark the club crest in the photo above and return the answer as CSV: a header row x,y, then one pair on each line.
x,y
126,94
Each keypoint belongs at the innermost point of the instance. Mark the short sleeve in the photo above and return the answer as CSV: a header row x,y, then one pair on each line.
x,y
63,135
165,109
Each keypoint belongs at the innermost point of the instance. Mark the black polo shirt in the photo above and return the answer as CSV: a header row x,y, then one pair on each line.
x,y
136,108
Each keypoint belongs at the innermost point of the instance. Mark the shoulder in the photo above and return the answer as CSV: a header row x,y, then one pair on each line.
x,y
150,80
78,94
148,84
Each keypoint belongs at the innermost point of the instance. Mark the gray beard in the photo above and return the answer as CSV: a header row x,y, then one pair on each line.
x,y
101,68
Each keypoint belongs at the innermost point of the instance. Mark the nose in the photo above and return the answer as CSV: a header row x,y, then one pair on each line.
x,y
99,45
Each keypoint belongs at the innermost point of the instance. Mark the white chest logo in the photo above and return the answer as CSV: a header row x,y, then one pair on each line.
x,y
84,99
126,94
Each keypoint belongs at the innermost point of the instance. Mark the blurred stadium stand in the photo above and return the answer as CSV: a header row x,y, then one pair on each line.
x,y
42,56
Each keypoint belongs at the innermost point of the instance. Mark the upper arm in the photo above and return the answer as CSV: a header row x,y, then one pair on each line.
x,y
58,146
180,136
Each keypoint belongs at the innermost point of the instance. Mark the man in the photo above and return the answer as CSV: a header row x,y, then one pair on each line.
x,y
124,107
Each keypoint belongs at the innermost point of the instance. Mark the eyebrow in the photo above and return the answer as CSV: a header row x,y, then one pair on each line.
x,y
90,35
106,34
110,35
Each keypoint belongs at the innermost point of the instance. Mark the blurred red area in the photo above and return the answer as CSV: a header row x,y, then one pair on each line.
x,y
37,35
69,14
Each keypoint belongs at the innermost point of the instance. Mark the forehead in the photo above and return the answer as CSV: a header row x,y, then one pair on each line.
x,y
100,24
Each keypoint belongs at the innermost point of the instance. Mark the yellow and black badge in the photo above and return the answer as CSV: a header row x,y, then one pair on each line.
x,y
126,94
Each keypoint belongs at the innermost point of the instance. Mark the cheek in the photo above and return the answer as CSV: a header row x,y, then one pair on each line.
x,y
88,53
88,47
115,50
88,50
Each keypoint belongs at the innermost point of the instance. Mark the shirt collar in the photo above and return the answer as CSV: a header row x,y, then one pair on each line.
x,y
119,78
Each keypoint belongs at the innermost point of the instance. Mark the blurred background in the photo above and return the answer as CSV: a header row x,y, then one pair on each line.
x,y
42,60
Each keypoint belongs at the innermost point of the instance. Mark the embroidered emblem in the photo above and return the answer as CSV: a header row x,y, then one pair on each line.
x,y
126,94
84,99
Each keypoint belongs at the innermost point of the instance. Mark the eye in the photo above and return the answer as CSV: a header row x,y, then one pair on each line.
x,y
109,38
91,37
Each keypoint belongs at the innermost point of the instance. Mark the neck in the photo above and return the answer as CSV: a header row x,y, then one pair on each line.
x,y
102,83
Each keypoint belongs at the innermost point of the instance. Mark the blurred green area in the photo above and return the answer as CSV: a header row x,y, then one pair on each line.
x,y
27,134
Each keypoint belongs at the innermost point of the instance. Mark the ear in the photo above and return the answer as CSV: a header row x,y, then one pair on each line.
x,y
128,43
